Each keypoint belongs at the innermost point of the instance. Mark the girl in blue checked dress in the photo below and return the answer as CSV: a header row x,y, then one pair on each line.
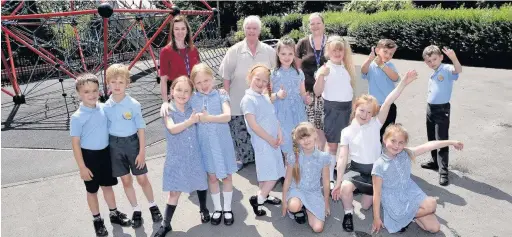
x,y
215,140
402,200
266,136
289,92
183,169
301,189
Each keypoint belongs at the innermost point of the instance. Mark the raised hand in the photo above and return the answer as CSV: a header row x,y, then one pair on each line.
x,y
324,71
372,53
449,52
458,145
281,94
378,60
410,76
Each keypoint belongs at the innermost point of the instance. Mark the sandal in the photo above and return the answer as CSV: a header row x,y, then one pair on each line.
x,y
230,220
254,203
216,221
273,200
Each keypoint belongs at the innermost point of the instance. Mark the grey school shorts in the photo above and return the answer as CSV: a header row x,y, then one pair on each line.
x,y
337,117
123,152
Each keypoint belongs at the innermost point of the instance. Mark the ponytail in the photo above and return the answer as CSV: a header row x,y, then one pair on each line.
x,y
296,168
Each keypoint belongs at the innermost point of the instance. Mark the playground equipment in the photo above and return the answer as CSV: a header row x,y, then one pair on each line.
x,y
47,43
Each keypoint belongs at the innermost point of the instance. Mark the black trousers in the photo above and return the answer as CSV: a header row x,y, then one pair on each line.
x,y
438,124
389,120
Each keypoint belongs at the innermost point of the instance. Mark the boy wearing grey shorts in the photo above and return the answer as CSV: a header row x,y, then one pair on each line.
x,y
127,141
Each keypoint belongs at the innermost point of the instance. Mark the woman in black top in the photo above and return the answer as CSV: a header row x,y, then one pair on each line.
x,y
309,60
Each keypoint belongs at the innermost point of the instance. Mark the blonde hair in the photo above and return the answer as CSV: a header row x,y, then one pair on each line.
x,y
253,71
364,99
304,129
200,67
316,14
116,70
431,49
397,128
336,42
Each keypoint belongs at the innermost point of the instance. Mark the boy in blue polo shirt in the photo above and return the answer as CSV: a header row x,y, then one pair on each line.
x,y
127,141
440,88
89,139
381,75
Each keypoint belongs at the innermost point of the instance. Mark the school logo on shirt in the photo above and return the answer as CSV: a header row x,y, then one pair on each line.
x,y
127,115
440,77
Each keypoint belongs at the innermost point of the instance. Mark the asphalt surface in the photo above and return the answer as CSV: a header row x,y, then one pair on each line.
x,y
42,194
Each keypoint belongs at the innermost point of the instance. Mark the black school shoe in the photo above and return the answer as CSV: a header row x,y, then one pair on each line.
x,y
99,227
430,165
443,180
273,201
348,222
205,216
229,221
155,214
216,221
136,219
300,216
163,231
254,203
120,219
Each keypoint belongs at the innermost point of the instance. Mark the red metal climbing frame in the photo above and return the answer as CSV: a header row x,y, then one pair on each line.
x,y
11,34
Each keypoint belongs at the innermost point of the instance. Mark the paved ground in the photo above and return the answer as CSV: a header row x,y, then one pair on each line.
x,y
42,192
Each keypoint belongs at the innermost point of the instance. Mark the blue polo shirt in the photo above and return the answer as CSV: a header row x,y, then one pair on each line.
x,y
90,124
379,84
440,84
125,117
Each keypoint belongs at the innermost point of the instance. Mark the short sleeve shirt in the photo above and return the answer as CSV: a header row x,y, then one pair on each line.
x,y
363,141
124,117
440,85
235,67
90,124
379,84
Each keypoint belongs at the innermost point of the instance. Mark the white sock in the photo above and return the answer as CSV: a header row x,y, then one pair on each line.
x,y
227,203
351,211
261,200
216,204
152,204
216,201
136,208
331,168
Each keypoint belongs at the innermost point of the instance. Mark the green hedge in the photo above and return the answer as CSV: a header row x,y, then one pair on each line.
x,y
291,22
374,6
273,23
480,37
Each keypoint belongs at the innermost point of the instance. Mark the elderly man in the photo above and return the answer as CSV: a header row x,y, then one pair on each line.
x,y
233,69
